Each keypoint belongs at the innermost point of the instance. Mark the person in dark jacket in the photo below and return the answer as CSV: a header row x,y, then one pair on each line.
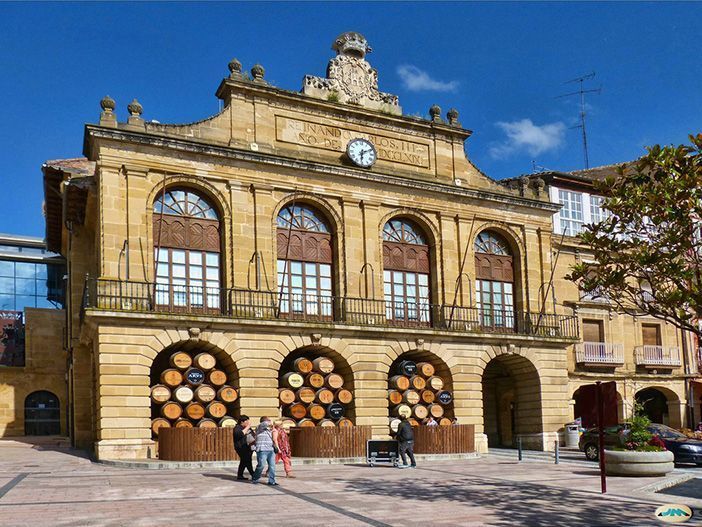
x,y
243,447
405,440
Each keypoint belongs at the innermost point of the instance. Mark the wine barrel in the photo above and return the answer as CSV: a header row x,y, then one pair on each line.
x,y
195,411
436,410
205,393
334,381
435,383
297,411
445,421
204,361
420,411
305,394
411,397
344,422
323,365
160,393
395,424
394,397
327,423
293,380
181,360
400,382
183,423
159,422
194,376
417,382
402,410
171,377
427,396
216,409
444,397
171,410
288,423
227,422
336,411
183,394
303,365
286,395
316,411
315,380
217,377
407,368
412,421
324,396
426,369
305,423
344,396
227,394
207,423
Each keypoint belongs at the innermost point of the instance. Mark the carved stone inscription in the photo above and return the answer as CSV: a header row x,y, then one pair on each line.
x,y
335,138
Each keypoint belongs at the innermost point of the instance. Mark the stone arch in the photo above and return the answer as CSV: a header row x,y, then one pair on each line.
x,y
660,404
317,202
341,367
200,185
429,226
585,409
512,402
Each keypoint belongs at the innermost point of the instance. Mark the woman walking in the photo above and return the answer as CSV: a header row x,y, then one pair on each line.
x,y
284,453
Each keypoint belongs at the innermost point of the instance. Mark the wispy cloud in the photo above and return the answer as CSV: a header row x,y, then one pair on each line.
x,y
415,79
525,136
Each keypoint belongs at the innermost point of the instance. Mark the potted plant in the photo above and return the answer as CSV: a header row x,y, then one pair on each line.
x,y
641,453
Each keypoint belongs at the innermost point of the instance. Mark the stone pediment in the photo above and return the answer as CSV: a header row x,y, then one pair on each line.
x,y
350,78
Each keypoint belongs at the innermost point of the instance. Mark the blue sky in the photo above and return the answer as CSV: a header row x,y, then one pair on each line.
x,y
500,64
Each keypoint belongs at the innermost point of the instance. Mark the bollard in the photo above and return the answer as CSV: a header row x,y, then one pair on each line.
x,y
557,452
519,447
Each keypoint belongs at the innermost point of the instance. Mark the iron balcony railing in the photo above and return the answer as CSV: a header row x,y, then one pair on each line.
x,y
115,295
599,353
651,356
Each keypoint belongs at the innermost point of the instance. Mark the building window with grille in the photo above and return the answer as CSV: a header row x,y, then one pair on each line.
x,y
597,211
571,213
187,252
406,273
494,284
305,261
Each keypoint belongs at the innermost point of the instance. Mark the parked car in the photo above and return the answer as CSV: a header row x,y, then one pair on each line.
x,y
685,449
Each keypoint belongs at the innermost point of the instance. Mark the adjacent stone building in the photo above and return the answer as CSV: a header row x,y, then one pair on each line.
x,y
320,223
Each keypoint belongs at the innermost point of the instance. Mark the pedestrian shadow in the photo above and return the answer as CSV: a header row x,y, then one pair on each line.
x,y
224,476
512,503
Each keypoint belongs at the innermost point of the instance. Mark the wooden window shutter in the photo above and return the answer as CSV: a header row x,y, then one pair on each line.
x,y
593,331
651,334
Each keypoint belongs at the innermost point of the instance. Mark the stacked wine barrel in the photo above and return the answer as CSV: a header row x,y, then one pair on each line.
x,y
312,394
416,392
193,392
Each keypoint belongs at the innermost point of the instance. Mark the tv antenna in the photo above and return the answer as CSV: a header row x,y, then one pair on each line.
x,y
582,93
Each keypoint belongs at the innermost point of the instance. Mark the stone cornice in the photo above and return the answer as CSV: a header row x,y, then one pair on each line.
x,y
93,132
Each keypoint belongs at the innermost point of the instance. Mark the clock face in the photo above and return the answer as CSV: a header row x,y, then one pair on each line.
x,y
361,152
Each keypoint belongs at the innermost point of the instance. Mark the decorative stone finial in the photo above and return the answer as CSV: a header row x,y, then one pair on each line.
x,y
352,44
539,186
107,104
435,113
257,73
452,116
107,116
135,108
234,68
523,185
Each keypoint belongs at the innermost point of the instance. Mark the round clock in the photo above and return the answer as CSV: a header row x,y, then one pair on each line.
x,y
361,152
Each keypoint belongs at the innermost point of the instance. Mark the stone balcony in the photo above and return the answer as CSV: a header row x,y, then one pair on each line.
x,y
599,354
657,357
242,304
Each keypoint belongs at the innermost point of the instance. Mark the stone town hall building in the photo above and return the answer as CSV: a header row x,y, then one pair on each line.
x,y
323,221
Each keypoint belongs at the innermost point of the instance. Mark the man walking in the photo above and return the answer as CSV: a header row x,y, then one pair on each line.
x,y
243,447
266,449
405,439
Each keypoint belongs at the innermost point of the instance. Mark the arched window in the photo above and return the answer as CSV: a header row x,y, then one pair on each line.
x,y
494,284
42,414
304,263
187,251
406,273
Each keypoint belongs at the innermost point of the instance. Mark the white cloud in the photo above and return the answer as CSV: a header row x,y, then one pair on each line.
x,y
525,136
415,79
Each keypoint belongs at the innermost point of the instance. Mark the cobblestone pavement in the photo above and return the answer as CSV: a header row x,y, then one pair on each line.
x,y
52,486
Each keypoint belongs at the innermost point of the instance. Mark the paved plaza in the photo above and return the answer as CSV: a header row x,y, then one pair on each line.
x,y
49,485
